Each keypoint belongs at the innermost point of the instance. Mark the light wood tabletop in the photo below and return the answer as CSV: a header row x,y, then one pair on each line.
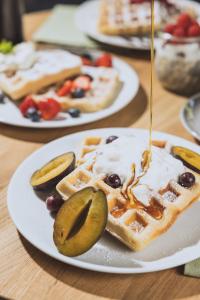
x,y
25,272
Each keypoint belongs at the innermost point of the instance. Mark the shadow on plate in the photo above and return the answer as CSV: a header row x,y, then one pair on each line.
x,y
124,118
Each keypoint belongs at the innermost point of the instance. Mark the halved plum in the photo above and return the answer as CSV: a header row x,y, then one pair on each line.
x,y
190,158
50,174
80,222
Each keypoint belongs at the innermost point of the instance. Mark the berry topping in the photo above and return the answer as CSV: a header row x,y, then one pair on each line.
x,y
179,32
184,20
193,31
105,60
33,114
87,59
113,180
65,89
54,202
111,138
169,28
186,180
82,82
26,104
2,98
78,93
74,112
49,108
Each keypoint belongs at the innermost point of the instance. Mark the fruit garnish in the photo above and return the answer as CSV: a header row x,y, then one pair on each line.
x,y
189,158
49,108
54,202
193,31
27,103
169,28
113,180
179,32
87,59
65,89
111,138
51,173
74,112
6,47
186,180
80,222
105,60
184,20
82,82
33,114
78,93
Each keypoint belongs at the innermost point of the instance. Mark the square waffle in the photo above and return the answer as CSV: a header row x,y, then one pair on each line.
x,y
122,17
105,86
26,70
135,223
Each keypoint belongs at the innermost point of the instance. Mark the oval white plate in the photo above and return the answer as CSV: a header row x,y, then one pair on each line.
x,y
180,244
10,114
87,18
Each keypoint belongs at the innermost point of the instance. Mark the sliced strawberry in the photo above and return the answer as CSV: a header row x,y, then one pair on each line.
x,y
105,60
26,104
86,61
179,32
184,20
82,82
49,108
65,89
170,28
193,31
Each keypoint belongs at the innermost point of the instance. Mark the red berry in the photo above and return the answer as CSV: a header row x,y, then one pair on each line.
x,y
194,22
82,82
105,60
184,20
65,89
26,104
193,31
86,61
179,32
169,28
49,108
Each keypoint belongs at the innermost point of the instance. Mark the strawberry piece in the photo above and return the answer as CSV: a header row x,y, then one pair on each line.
x,y
82,82
49,108
193,31
87,61
170,28
104,60
184,20
65,89
26,104
179,32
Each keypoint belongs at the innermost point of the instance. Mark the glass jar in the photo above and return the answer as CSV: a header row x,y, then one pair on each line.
x,y
177,64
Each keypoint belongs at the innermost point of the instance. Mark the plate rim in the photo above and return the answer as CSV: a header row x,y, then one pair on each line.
x,y
91,266
104,113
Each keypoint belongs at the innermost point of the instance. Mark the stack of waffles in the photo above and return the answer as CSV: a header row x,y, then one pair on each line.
x,y
139,210
129,17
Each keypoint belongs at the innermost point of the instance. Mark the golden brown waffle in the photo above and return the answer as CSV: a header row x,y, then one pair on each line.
x,y
104,89
136,225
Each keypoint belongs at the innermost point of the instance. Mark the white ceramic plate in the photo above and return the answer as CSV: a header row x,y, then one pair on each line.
x,y
180,244
10,114
87,18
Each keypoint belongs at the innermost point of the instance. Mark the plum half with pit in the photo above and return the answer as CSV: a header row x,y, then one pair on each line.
x,y
51,173
80,221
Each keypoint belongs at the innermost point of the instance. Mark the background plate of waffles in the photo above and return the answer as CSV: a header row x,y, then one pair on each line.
x,y
124,23
125,91
179,245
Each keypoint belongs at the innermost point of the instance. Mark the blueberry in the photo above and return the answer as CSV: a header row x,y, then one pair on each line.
x,y
74,112
78,93
33,114
54,202
111,138
87,55
186,180
2,98
113,180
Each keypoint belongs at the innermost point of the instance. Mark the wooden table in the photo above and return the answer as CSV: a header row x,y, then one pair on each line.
x,y
25,272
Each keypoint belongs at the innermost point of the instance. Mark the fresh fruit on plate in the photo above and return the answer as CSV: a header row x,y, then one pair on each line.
x,y
6,47
27,103
65,89
51,173
185,26
54,202
80,222
190,158
104,60
49,109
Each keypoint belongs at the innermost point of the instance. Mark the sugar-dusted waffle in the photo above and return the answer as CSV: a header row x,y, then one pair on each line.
x,y
139,210
99,93
26,70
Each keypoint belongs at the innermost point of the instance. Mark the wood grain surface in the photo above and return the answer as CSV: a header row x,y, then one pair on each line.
x,y
25,272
